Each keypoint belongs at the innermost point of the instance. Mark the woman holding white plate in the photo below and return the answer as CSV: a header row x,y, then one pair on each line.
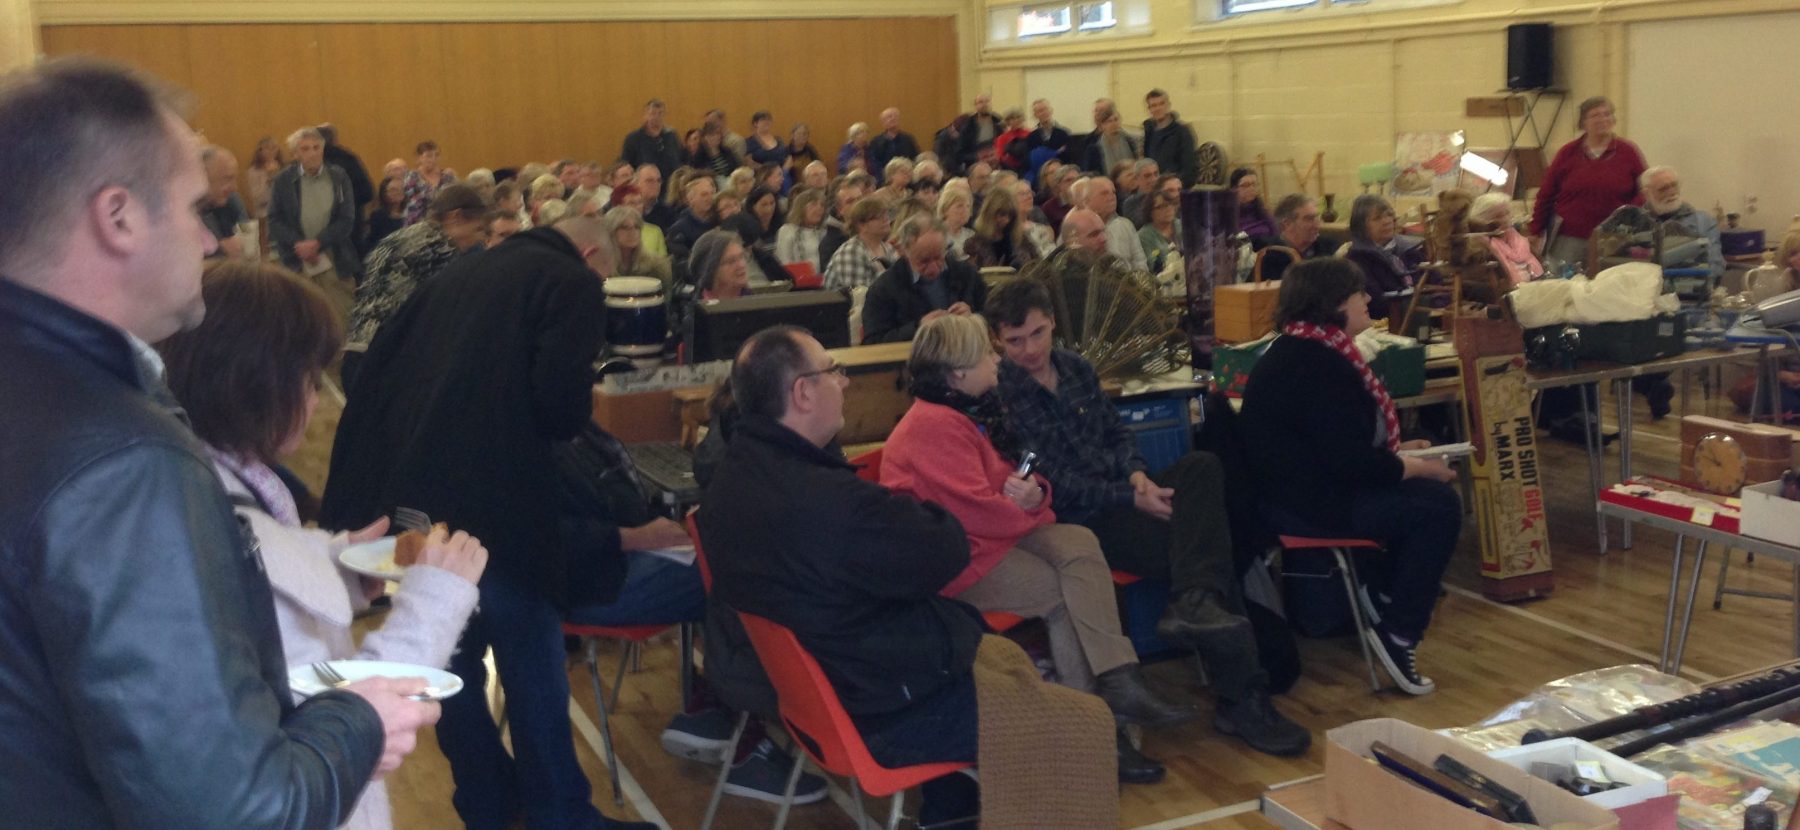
x,y
249,377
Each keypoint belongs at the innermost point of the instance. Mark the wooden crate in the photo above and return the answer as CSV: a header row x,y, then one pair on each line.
x,y
1245,311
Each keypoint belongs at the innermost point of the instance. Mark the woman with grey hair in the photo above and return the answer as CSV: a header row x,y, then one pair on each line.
x,y
1389,260
719,265
855,152
1589,179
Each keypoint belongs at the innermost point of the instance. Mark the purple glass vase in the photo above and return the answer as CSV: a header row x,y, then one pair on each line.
x,y
1210,253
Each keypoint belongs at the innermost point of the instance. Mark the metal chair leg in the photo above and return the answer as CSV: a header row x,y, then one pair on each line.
x,y
718,791
619,678
687,665
1362,626
612,758
862,816
793,783
1719,591
893,822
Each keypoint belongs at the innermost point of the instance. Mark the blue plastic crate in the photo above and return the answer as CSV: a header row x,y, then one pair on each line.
x,y
1161,427
1141,604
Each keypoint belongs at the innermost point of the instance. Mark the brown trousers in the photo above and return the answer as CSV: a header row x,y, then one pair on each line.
x,y
1058,574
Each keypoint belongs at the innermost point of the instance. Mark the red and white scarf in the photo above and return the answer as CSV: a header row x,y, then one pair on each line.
x,y
1336,338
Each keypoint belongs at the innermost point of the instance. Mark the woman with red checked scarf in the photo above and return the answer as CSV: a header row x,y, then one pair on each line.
x,y
1323,440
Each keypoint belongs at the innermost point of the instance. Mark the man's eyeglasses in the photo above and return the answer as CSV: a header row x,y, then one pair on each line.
x,y
835,368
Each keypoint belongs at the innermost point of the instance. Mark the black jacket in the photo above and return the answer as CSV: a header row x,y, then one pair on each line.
x,y
968,136
463,394
883,148
1309,429
895,302
662,150
1173,148
1057,139
1386,271
680,237
361,186
1094,159
834,238
1276,259
142,679
791,534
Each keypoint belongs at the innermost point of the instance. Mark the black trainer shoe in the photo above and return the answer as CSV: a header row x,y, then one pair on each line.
x,y
703,736
1257,722
1401,663
763,776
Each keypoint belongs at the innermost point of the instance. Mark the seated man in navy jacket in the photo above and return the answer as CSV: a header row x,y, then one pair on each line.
x,y
922,286
859,587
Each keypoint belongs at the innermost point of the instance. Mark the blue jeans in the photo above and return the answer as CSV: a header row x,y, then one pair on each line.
x,y
657,591
543,776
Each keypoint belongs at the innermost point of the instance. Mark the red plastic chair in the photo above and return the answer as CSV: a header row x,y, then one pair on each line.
x,y
1340,548
812,713
634,637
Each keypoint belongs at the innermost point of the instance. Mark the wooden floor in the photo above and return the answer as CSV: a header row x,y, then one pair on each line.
x,y
1607,610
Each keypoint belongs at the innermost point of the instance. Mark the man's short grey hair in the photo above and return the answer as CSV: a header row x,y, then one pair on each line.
x,y
480,176
1290,206
920,225
1650,175
1146,164
302,134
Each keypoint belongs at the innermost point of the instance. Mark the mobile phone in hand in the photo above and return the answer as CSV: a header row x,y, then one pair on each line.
x,y
1026,465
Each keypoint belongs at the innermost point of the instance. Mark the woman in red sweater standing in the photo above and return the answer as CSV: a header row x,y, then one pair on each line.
x,y
1590,178
952,448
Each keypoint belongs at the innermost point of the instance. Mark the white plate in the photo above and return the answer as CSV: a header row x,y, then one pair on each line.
x,y
374,559
440,684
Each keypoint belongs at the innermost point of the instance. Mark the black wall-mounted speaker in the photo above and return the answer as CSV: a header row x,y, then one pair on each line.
x,y
1530,55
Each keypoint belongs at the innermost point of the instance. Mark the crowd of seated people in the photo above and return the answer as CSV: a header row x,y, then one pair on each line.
x,y
496,278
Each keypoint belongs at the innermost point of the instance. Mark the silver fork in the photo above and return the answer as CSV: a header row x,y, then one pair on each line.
x,y
407,518
328,675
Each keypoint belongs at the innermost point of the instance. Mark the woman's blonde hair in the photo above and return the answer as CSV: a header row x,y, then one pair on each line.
x,y
1790,244
546,186
742,179
948,199
947,344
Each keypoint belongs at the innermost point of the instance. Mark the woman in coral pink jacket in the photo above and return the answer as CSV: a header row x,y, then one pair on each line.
x,y
952,448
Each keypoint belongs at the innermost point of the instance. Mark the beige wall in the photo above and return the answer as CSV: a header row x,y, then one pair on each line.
x,y
18,33
1289,84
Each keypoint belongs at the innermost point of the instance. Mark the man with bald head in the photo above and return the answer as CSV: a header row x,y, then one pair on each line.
x,y
1083,230
223,209
892,143
462,395
976,131
1121,236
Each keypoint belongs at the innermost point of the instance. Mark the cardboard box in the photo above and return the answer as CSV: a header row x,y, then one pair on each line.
x,y
1245,311
1766,515
1363,795
1640,784
1509,495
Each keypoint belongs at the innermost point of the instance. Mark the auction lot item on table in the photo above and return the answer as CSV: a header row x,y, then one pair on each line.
x,y
1508,493
1363,795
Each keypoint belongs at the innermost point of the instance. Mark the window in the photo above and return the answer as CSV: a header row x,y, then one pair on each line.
x,y
1230,7
1043,20
1035,24
1097,16
1213,10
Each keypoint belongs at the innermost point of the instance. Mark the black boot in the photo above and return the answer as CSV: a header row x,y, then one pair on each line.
x,y
1257,722
1135,767
1196,616
1132,701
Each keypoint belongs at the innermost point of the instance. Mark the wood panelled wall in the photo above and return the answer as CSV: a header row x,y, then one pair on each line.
x,y
501,94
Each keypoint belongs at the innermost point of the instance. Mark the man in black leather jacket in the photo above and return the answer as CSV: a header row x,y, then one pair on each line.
x,y
142,680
